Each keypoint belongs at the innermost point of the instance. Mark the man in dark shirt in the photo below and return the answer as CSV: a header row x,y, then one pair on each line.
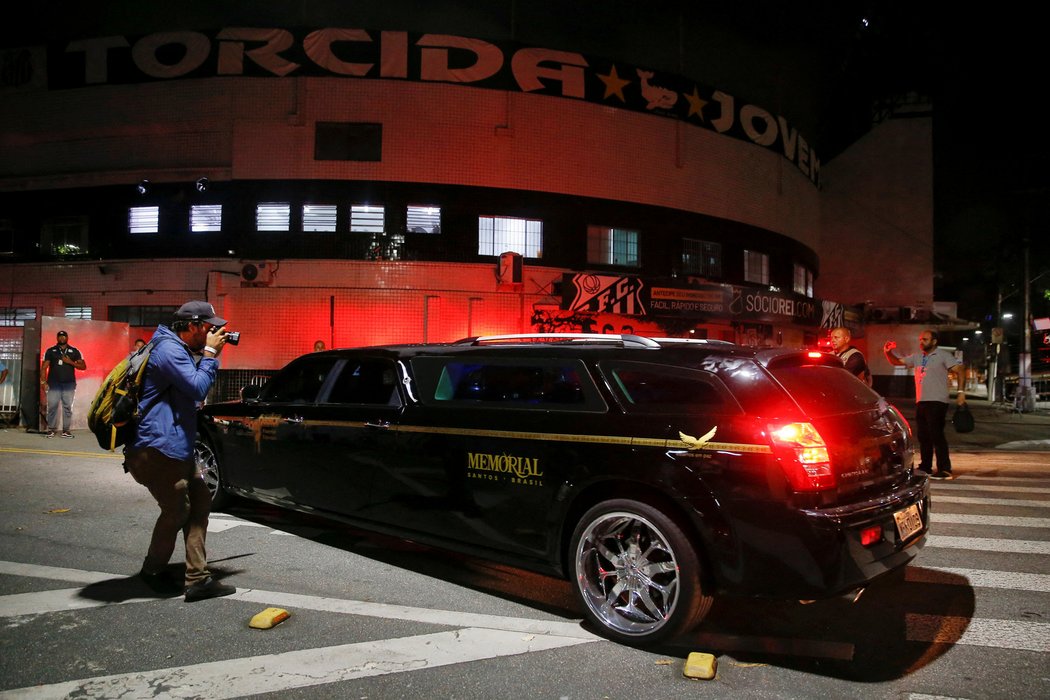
x,y
59,381
850,356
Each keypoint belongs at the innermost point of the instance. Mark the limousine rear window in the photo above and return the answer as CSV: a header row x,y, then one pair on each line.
x,y
823,390
652,388
504,382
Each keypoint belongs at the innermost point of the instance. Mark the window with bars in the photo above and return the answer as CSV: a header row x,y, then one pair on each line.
x,y
273,216
612,246
7,236
142,315
803,280
500,234
65,235
701,257
367,218
205,217
78,312
17,316
144,219
319,217
756,267
423,219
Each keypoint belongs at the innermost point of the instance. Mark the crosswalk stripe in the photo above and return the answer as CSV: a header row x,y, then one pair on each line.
x,y
988,544
1002,634
39,602
56,573
1001,520
70,599
233,678
976,500
971,486
1011,580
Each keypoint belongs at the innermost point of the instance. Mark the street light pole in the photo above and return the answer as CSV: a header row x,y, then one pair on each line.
x,y
1025,369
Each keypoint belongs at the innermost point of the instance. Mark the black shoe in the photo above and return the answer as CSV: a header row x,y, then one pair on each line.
x,y
941,474
162,583
208,588
926,470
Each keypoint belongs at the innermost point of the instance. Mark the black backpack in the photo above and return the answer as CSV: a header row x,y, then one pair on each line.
x,y
114,410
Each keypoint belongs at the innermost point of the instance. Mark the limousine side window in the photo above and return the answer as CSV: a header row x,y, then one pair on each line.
x,y
370,381
299,382
650,388
504,382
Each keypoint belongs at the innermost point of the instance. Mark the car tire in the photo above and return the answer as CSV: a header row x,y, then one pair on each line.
x,y
208,467
636,573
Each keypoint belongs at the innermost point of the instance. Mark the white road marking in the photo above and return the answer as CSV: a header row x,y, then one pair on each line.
x,y
234,678
1000,634
1013,502
70,599
40,602
1009,580
988,544
952,485
1003,520
56,573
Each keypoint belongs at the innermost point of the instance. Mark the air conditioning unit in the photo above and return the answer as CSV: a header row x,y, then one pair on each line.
x,y
915,313
258,274
885,314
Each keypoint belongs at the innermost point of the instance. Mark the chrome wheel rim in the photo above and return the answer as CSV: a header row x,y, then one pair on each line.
x,y
206,466
627,573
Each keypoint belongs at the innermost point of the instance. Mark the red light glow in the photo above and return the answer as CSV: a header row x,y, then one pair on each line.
x,y
871,535
803,455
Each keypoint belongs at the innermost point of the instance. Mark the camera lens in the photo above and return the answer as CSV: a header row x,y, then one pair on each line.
x,y
233,337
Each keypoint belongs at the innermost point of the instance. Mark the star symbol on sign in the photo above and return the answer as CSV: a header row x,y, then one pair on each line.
x,y
614,84
696,105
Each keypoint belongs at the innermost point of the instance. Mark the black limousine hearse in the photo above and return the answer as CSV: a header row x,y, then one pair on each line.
x,y
652,473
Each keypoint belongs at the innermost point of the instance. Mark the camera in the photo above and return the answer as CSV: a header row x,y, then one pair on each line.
x,y
233,337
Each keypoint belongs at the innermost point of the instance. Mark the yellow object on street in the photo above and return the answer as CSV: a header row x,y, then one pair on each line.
x,y
698,665
268,618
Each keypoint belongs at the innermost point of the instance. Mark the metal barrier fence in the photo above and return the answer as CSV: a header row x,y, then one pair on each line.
x,y
229,382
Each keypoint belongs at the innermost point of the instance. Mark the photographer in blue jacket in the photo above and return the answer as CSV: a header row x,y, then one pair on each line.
x,y
181,369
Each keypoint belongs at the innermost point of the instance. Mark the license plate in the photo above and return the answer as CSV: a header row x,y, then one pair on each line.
x,y
909,521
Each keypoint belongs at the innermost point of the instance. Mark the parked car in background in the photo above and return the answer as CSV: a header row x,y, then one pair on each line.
x,y
652,473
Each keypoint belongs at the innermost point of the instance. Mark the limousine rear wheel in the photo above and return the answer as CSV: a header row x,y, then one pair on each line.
x,y
636,573
208,468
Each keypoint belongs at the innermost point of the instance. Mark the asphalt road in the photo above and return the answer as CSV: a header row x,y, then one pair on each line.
x,y
378,617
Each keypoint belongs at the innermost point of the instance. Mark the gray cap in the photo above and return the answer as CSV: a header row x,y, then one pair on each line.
x,y
199,311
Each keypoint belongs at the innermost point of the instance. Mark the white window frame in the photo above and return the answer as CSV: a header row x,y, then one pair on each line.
x,y
756,267
205,217
612,246
273,216
144,219
320,218
367,218
509,234
422,218
82,312
803,282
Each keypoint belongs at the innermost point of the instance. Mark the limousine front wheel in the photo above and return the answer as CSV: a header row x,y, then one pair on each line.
x,y
636,573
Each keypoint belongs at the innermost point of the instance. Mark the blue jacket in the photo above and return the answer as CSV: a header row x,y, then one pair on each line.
x,y
175,384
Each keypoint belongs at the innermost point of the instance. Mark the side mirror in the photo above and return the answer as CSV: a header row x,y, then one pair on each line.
x,y
251,393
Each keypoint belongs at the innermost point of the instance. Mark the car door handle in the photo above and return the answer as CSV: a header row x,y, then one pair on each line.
x,y
384,424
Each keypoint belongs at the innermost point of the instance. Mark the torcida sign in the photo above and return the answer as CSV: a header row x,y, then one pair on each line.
x,y
359,53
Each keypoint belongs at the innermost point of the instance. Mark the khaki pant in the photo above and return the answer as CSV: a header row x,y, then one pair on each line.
x,y
185,503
